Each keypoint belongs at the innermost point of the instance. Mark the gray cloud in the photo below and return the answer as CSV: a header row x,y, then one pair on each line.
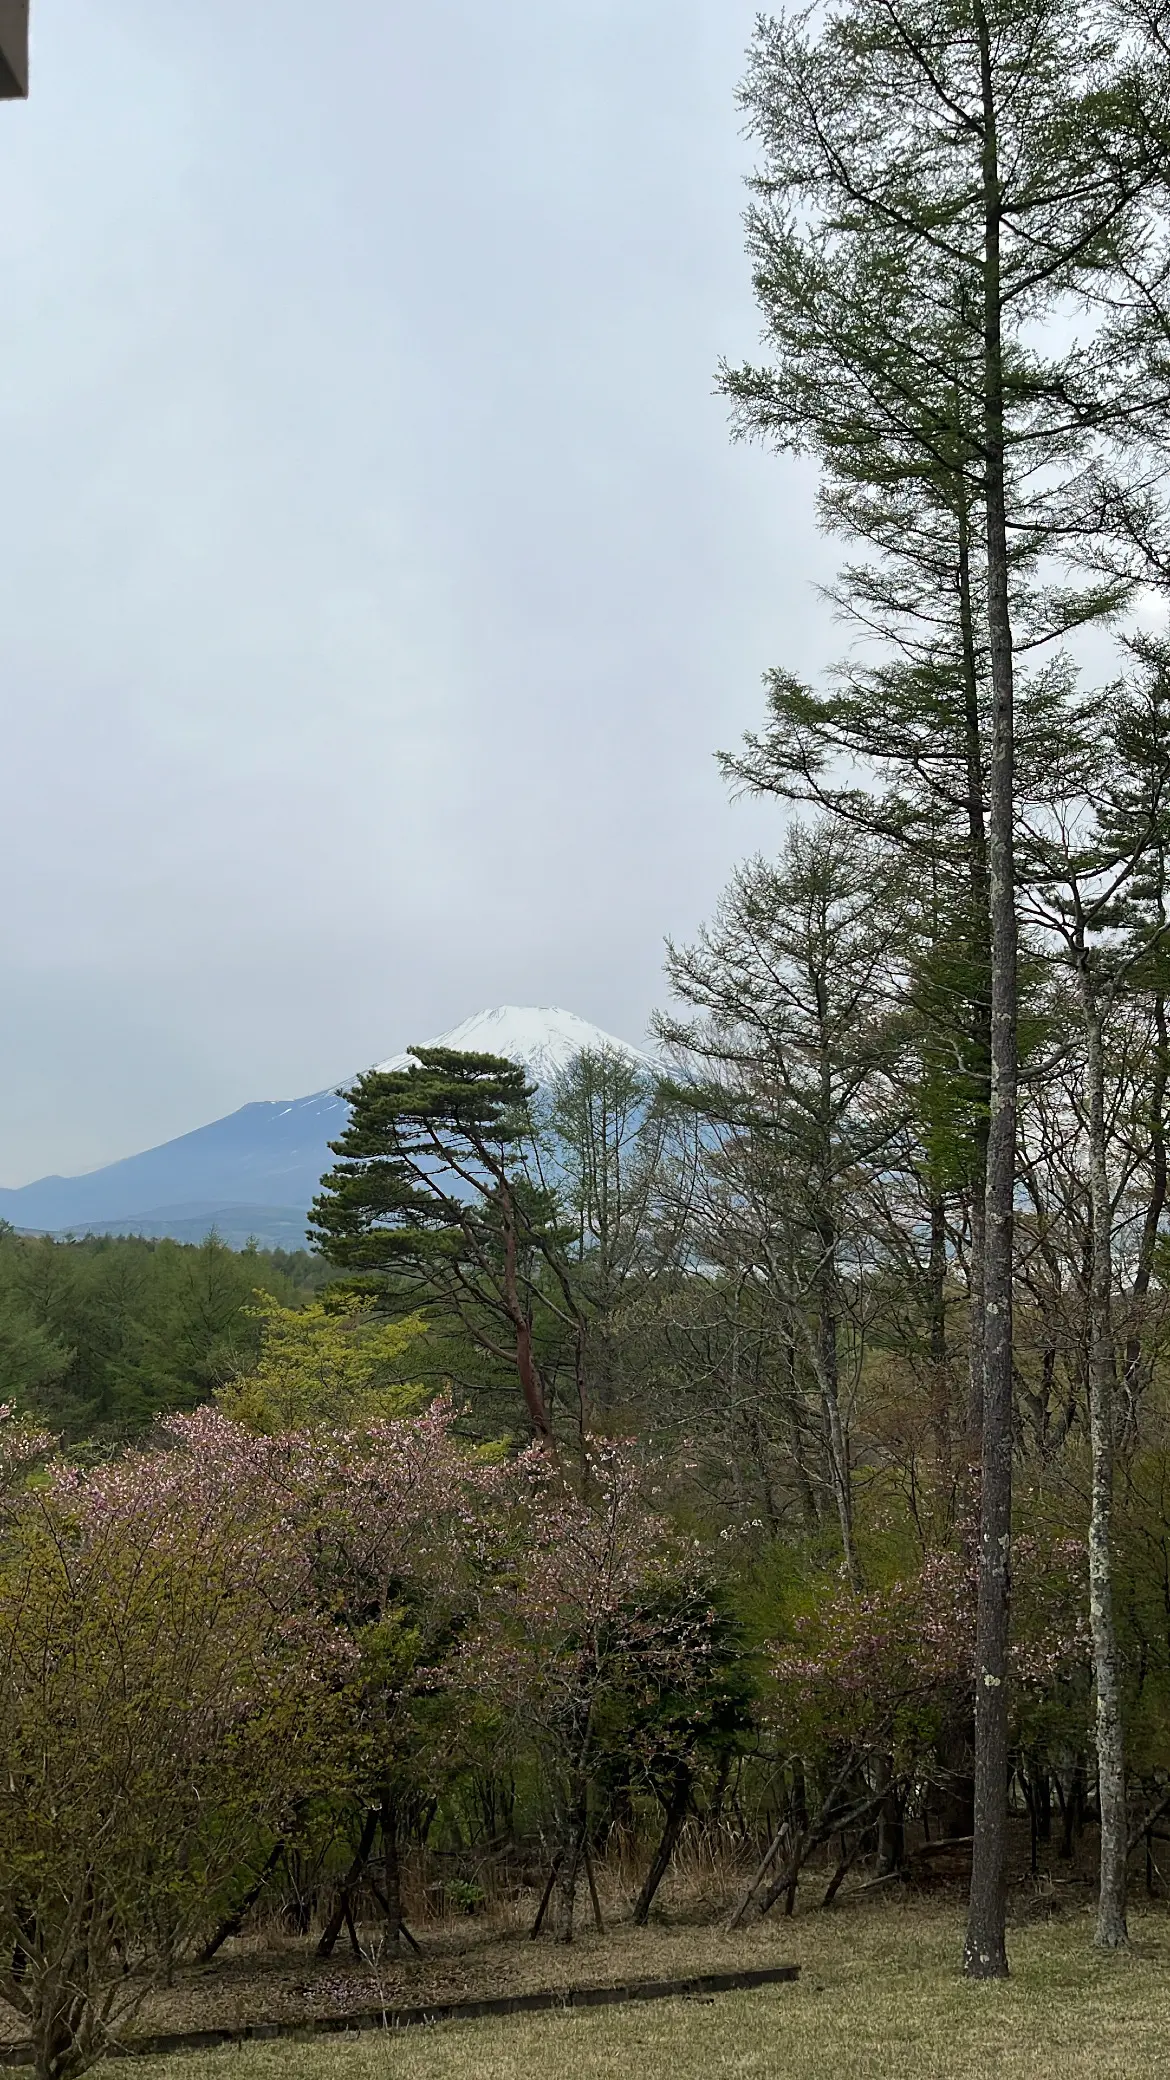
x,y
376,576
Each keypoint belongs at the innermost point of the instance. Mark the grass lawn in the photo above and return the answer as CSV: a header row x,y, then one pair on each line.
x,y
879,1998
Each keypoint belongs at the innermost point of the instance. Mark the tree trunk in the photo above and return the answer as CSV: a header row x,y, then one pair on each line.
x,y
1112,1933
823,1351
1042,1792
528,1372
891,1831
577,1822
979,885
546,1895
337,1919
845,1864
977,1323
1072,1809
233,1922
392,1902
940,1386
985,1950
791,1401
824,1345
1156,1207
776,1843
956,1813
676,1813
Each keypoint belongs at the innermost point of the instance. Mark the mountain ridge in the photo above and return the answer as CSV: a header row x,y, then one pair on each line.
x,y
270,1154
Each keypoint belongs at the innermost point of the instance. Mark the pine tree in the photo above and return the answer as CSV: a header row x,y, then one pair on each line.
x,y
433,1195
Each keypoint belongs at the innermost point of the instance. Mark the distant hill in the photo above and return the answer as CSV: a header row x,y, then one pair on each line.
x,y
255,1173
269,1227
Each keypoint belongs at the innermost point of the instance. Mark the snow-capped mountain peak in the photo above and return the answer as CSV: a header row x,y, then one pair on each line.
x,y
541,1036
256,1171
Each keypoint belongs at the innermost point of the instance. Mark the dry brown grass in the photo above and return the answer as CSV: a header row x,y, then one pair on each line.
x,y
880,1998
269,1975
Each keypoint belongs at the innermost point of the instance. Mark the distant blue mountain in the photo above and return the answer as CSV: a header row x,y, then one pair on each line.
x,y
263,1156
255,1173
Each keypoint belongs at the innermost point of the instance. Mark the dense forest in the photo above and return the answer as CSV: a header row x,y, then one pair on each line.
x,y
99,1336
765,1455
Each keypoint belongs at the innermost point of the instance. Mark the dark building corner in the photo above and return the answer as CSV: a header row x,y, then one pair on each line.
x,y
13,50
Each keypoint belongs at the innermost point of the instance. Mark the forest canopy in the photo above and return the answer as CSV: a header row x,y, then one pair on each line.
x,y
100,1335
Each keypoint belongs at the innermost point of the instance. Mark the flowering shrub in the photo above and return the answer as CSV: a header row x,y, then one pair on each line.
x,y
881,1671
380,1528
598,1633
885,1672
165,1698
22,1446
194,1639
867,1690
204,1639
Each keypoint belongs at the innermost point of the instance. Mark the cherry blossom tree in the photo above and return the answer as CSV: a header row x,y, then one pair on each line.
x,y
594,1612
867,1688
379,1525
22,1446
166,1696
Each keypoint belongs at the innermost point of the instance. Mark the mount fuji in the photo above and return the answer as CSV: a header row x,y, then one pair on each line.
x,y
255,1172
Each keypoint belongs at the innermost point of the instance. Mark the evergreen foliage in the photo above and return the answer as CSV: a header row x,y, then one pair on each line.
x,y
100,1335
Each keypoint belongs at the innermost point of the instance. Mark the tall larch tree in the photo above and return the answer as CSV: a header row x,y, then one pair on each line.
x,y
939,180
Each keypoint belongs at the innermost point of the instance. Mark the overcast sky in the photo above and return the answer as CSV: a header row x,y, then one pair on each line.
x,y
376,575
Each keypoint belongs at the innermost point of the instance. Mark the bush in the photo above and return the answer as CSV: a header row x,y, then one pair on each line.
x,y
164,1705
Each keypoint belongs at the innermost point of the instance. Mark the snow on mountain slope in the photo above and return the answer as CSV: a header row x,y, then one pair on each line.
x,y
542,1036
272,1155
